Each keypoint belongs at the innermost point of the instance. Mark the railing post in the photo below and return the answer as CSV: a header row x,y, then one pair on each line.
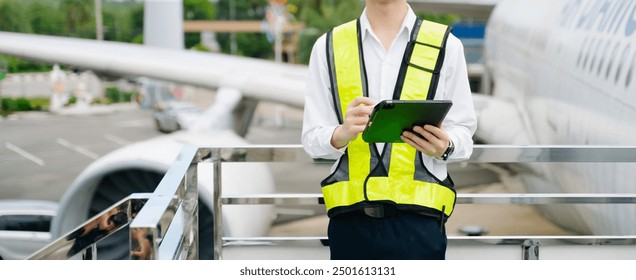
x,y
217,216
192,200
530,250
90,253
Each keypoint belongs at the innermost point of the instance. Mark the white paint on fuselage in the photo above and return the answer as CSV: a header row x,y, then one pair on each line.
x,y
569,67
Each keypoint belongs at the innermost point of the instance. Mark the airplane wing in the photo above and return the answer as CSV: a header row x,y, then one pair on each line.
x,y
256,78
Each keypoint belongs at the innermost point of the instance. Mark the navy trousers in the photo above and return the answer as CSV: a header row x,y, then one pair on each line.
x,y
408,236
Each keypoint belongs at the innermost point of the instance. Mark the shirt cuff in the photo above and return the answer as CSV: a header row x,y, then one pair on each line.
x,y
327,145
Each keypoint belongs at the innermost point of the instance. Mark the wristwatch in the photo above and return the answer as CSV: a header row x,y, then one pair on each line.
x,y
449,150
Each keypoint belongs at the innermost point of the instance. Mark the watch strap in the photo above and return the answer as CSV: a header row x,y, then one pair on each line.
x,y
449,150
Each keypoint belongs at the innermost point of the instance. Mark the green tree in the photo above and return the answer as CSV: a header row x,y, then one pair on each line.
x,y
120,22
319,17
17,65
45,18
137,19
79,16
197,10
14,16
248,44
123,21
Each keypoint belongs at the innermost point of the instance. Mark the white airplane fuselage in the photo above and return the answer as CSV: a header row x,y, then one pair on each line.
x,y
569,67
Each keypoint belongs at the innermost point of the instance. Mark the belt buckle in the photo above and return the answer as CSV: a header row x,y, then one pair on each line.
x,y
376,211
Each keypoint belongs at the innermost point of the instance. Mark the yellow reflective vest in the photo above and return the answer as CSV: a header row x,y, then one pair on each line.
x,y
365,176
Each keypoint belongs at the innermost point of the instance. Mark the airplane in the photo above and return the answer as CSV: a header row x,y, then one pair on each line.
x,y
561,71
564,73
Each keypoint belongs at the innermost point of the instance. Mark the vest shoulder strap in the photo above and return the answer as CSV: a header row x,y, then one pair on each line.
x,y
345,59
422,61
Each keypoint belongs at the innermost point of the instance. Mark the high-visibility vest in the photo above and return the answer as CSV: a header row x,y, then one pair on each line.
x,y
397,175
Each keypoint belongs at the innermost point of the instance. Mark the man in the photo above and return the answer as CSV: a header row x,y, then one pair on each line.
x,y
387,201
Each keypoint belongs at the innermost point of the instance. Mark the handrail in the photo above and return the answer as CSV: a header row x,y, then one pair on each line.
x,y
481,154
167,226
163,225
462,198
159,221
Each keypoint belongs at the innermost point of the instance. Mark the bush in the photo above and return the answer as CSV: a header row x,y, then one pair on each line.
x,y
4,106
10,105
22,104
114,95
39,103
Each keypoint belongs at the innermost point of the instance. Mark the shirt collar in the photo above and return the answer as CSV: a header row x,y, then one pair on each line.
x,y
409,21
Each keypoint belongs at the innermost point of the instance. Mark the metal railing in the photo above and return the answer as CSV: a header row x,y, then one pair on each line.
x,y
523,247
166,226
82,240
163,224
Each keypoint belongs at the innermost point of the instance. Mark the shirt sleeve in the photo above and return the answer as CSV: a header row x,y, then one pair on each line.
x,y
460,122
319,120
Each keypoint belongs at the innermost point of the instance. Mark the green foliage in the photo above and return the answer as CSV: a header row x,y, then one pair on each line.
x,y
137,21
120,21
254,45
78,18
248,44
319,17
123,21
242,9
22,104
14,16
5,104
10,105
200,47
114,95
44,20
447,19
17,65
196,10
325,14
39,103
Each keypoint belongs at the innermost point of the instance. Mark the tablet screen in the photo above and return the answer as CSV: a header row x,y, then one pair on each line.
x,y
391,117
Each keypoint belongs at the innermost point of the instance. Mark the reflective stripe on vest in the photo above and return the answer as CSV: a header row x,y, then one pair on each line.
x,y
364,175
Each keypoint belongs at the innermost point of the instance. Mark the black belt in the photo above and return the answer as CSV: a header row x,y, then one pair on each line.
x,y
381,211
387,210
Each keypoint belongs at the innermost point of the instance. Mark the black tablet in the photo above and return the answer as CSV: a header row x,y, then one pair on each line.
x,y
391,117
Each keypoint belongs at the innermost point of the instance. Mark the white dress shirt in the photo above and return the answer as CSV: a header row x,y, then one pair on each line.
x,y
382,69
